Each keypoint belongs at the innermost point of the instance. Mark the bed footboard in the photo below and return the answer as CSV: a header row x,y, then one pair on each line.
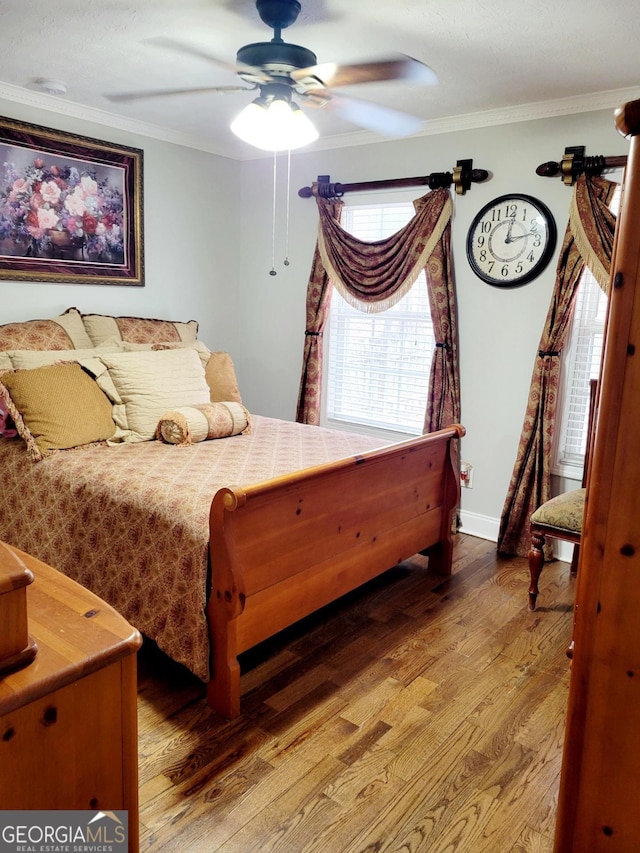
x,y
283,548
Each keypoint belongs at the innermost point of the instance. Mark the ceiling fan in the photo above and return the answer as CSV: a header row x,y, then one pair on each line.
x,y
280,70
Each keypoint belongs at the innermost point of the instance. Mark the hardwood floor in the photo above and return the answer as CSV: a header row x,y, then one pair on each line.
x,y
416,714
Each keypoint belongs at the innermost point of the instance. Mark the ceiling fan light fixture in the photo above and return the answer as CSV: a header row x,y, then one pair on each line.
x,y
274,125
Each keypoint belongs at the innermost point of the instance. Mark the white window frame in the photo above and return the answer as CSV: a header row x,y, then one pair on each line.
x,y
388,434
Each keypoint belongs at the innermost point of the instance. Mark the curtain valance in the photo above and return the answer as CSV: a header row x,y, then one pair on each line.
x,y
593,226
374,276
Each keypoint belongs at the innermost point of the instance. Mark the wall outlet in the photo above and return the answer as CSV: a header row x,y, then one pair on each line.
x,y
466,475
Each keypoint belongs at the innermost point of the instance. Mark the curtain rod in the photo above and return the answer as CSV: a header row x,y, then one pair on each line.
x,y
463,176
574,164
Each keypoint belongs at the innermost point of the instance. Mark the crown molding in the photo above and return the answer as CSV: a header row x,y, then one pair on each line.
x,y
591,102
504,115
72,109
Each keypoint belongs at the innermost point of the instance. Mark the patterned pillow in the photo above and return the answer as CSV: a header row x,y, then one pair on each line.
x,y
190,424
56,407
62,333
139,330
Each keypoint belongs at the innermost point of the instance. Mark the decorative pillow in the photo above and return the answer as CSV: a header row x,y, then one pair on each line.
x,y
189,424
28,359
5,362
203,351
7,426
64,332
56,407
221,378
147,384
140,330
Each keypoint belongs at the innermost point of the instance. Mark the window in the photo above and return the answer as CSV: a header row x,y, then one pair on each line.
x,y
581,363
377,365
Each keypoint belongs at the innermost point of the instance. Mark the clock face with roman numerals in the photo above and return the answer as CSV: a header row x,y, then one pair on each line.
x,y
511,240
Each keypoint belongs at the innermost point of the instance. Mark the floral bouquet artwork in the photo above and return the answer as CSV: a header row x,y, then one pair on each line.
x,y
71,207
60,208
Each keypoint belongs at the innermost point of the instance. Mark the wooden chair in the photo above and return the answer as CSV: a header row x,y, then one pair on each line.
x,y
560,517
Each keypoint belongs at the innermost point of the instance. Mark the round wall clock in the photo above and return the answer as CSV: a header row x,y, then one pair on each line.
x,y
511,240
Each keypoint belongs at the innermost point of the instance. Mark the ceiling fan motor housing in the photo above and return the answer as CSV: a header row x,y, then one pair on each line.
x,y
278,14
276,57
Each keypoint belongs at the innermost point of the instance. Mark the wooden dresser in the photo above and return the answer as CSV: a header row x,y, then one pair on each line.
x,y
68,721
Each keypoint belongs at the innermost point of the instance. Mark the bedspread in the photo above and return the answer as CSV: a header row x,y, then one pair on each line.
x,y
131,522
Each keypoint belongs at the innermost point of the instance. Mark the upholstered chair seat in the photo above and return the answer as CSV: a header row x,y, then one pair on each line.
x,y
560,517
563,512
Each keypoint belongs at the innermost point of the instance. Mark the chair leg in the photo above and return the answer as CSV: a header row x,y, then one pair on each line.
x,y
574,561
536,563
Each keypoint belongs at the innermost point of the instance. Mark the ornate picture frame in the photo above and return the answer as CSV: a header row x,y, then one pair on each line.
x,y
71,207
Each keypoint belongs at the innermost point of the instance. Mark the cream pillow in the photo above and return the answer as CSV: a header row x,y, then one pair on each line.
x,y
145,385
203,351
30,358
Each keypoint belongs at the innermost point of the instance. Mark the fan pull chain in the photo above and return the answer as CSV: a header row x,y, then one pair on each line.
x,y
286,245
272,271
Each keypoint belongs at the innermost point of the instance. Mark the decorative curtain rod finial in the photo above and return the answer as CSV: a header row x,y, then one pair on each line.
x,y
574,164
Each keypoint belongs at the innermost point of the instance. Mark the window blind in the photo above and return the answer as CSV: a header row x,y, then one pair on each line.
x,y
580,364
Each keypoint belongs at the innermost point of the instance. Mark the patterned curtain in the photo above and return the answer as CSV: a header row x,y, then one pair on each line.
x,y
588,240
319,292
443,403
374,276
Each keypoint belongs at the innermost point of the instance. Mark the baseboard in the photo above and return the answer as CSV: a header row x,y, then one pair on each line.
x,y
485,527
562,550
482,526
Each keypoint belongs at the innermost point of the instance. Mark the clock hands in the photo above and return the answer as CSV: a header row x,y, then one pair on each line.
x,y
508,238
521,236
511,238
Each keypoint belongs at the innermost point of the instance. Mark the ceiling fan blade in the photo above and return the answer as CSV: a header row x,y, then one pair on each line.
x,y
397,68
256,74
383,120
123,97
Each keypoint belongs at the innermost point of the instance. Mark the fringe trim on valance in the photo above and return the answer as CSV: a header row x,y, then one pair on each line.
x,y
347,280
600,271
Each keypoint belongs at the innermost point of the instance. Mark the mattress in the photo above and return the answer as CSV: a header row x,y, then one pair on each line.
x,y
131,522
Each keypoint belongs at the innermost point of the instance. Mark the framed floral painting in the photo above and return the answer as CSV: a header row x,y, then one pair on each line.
x,y
70,208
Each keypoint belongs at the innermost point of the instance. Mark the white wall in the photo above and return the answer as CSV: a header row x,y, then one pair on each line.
x,y
208,230
499,329
191,240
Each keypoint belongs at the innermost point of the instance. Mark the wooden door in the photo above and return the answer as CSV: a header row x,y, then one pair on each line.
x,y
600,782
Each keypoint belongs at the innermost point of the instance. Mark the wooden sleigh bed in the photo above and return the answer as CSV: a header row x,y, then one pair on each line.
x,y
284,548
206,555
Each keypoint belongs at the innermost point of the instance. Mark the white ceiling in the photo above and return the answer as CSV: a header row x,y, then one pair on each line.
x,y
491,59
